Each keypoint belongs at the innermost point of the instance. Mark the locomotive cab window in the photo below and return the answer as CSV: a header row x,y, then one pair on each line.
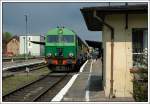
x,y
68,38
52,38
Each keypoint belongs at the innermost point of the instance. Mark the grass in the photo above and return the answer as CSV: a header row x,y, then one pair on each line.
x,y
11,83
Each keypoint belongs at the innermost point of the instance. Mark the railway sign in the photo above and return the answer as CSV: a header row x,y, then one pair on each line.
x,y
27,70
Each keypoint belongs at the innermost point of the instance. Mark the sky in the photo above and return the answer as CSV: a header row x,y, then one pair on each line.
x,y
45,16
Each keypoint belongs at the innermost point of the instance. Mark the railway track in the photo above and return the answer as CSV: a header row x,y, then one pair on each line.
x,y
51,93
15,59
38,90
12,72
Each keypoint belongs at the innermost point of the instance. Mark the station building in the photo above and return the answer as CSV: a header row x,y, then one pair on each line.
x,y
12,46
31,49
124,34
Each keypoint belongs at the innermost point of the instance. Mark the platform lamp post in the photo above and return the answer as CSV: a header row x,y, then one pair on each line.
x,y
24,48
26,21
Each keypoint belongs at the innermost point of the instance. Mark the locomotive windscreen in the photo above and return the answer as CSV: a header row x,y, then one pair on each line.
x,y
60,38
68,38
53,38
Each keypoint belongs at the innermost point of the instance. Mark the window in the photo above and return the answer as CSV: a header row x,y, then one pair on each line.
x,y
139,46
52,38
68,38
139,40
60,38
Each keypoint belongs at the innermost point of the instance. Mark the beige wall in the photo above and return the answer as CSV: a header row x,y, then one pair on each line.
x,y
122,52
13,46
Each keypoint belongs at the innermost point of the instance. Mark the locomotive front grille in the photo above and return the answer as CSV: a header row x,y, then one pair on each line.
x,y
60,52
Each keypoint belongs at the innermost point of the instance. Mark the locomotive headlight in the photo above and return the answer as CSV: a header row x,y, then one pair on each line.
x,y
71,54
55,54
50,54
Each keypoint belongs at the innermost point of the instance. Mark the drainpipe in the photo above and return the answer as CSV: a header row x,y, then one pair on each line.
x,y
111,95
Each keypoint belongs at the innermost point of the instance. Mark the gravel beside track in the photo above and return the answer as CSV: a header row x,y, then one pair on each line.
x,y
48,96
34,91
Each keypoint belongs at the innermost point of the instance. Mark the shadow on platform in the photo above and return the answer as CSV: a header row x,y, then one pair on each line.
x,y
95,83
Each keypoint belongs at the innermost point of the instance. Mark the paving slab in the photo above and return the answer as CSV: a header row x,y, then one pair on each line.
x,y
90,80
88,86
77,91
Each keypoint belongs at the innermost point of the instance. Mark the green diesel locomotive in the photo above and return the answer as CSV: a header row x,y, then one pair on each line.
x,y
64,50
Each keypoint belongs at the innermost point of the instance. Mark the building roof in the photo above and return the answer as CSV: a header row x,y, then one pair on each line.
x,y
94,44
14,37
94,25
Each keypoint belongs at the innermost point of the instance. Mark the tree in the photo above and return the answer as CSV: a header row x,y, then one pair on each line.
x,y
6,36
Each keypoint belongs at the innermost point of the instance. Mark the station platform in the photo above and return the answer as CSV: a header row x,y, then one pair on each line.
x,y
87,86
15,64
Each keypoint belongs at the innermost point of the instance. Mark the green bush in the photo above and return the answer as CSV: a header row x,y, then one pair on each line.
x,y
140,83
140,91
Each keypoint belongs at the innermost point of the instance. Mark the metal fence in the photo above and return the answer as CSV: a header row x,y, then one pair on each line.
x,y
140,58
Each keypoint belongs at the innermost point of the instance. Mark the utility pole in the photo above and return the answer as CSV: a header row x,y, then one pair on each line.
x,y
26,21
24,48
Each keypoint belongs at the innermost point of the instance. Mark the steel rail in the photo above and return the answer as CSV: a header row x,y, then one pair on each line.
x,y
22,70
26,90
